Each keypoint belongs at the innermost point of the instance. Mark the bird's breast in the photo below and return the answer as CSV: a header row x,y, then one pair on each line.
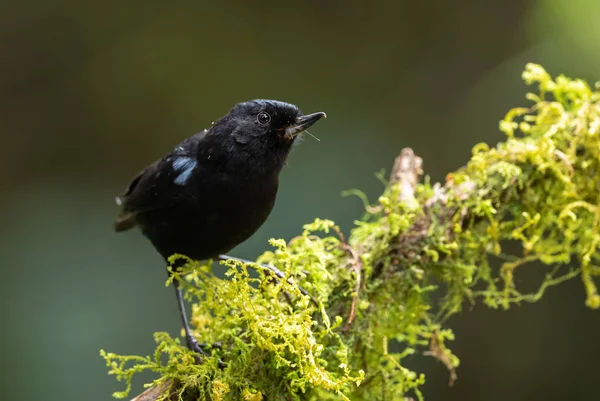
x,y
244,203
213,216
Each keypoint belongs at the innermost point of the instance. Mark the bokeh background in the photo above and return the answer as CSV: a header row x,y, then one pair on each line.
x,y
90,92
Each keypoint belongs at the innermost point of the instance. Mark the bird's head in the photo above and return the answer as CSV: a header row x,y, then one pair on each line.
x,y
268,122
261,132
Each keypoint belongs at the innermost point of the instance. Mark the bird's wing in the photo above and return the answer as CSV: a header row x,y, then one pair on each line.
x,y
159,185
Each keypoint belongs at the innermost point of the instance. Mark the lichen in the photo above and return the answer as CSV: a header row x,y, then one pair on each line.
x,y
373,300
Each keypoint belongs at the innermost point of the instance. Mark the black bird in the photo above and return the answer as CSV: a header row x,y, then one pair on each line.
x,y
216,188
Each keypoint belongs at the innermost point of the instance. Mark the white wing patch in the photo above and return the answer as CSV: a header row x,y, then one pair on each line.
x,y
185,166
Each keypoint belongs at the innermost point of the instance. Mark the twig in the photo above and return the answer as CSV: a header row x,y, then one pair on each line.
x,y
565,160
357,267
437,351
407,170
153,393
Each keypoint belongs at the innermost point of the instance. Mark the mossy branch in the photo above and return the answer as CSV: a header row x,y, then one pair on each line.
x,y
375,289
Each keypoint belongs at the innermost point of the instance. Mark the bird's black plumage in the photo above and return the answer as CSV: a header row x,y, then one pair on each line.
x,y
216,188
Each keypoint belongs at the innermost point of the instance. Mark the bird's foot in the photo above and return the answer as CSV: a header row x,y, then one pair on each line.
x,y
206,346
200,348
273,270
280,275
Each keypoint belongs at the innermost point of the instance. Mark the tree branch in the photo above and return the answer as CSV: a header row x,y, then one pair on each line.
x,y
539,188
154,393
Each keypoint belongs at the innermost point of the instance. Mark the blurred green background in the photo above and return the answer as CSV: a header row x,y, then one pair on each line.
x,y
90,92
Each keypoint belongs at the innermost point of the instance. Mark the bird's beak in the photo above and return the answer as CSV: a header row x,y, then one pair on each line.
x,y
302,123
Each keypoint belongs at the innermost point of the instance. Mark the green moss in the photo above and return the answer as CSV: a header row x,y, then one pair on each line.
x,y
539,188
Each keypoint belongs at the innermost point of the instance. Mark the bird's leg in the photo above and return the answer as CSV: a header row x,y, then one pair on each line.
x,y
275,271
191,341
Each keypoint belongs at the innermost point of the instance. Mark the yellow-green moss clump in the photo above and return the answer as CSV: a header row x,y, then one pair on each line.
x,y
539,188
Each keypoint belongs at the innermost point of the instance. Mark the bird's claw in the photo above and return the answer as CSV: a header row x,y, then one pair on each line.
x,y
195,346
278,273
199,348
273,270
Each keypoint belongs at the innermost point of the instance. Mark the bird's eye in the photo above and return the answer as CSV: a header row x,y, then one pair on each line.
x,y
263,117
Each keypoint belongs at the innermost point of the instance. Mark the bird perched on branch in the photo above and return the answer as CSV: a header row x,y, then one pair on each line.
x,y
216,188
